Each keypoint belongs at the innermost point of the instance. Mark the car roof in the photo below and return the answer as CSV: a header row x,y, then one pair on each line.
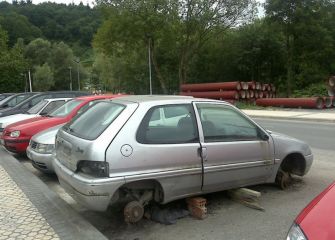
x,y
94,97
165,98
57,99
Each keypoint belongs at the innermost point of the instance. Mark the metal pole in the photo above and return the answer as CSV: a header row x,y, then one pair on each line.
x,y
78,74
150,83
29,77
70,68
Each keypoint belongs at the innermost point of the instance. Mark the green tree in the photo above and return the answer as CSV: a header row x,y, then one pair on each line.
x,y
308,39
12,65
43,78
175,30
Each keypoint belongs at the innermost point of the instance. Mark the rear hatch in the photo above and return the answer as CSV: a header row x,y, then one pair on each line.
x,y
87,137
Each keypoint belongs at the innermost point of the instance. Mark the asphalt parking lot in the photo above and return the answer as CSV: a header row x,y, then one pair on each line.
x,y
226,219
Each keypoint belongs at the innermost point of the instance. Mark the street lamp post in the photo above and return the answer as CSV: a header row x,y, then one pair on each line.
x,y
78,61
24,75
70,68
149,60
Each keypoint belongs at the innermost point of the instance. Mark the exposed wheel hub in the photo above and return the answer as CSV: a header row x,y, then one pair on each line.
x,y
133,212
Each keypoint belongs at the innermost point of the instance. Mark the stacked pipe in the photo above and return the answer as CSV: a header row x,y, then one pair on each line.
x,y
230,91
314,102
330,101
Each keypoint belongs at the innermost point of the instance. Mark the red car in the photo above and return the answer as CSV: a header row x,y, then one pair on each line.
x,y
16,136
317,220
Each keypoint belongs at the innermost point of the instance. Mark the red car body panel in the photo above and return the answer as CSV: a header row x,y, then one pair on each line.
x,y
30,127
317,220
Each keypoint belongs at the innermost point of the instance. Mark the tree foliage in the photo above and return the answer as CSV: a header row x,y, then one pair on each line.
x,y
12,65
175,30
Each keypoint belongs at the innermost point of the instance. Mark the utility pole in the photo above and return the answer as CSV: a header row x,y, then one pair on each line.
x,y
70,68
29,77
149,60
78,61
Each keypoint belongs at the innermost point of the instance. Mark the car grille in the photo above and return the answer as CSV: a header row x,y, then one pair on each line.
x,y
33,144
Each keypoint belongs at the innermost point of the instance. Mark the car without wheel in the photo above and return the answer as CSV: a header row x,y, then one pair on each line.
x,y
164,148
16,136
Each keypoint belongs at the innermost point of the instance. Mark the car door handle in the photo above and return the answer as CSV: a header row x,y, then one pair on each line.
x,y
203,153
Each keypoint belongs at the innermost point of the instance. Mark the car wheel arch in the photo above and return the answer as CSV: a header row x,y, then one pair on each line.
x,y
294,163
134,187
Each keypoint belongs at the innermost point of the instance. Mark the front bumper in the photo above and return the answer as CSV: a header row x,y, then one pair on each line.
x,y
94,193
309,161
42,162
15,145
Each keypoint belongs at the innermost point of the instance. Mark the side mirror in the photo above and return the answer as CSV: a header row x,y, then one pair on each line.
x,y
262,135
43,113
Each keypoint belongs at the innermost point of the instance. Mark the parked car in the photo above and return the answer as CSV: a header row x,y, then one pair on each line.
x,y
16,136
5,95
33,100
163,148
317,220
42,108
41,147
15,99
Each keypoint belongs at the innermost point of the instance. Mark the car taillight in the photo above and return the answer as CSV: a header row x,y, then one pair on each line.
x,y
93,168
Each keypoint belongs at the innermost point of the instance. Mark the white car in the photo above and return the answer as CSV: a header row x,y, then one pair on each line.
x,y
42,108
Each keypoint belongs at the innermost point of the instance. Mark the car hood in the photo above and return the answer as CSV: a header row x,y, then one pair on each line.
x,y
5,121
317,220
47,136
32,126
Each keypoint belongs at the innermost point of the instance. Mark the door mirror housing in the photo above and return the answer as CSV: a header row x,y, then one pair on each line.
x,y
263,136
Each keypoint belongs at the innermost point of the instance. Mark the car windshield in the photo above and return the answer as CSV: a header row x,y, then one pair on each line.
x,y
65,109
88,126
38,107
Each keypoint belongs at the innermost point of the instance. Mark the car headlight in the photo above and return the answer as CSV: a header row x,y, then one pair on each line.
x,y
44,148
15,134
295,233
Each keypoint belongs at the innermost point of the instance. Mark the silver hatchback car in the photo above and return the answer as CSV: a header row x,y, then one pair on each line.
x,y
163,148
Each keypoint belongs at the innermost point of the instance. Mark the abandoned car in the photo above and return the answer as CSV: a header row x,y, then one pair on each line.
x,y
163,148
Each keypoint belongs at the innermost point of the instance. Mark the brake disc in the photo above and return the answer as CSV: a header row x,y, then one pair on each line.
x,y
283,179
133,212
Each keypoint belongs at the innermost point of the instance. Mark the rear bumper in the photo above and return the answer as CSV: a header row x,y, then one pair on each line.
x,y
42,162
93,193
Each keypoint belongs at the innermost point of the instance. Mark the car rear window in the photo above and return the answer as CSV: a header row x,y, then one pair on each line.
x,y
91,123
66,108
35,109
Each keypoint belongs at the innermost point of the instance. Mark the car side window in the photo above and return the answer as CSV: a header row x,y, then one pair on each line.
x,y
222,123
52,106
35,100
178,126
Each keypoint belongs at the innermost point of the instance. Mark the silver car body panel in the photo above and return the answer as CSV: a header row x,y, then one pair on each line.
x,y
176,167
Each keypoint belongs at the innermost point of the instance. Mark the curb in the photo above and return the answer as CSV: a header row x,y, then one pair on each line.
x,y
66,222
293,118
